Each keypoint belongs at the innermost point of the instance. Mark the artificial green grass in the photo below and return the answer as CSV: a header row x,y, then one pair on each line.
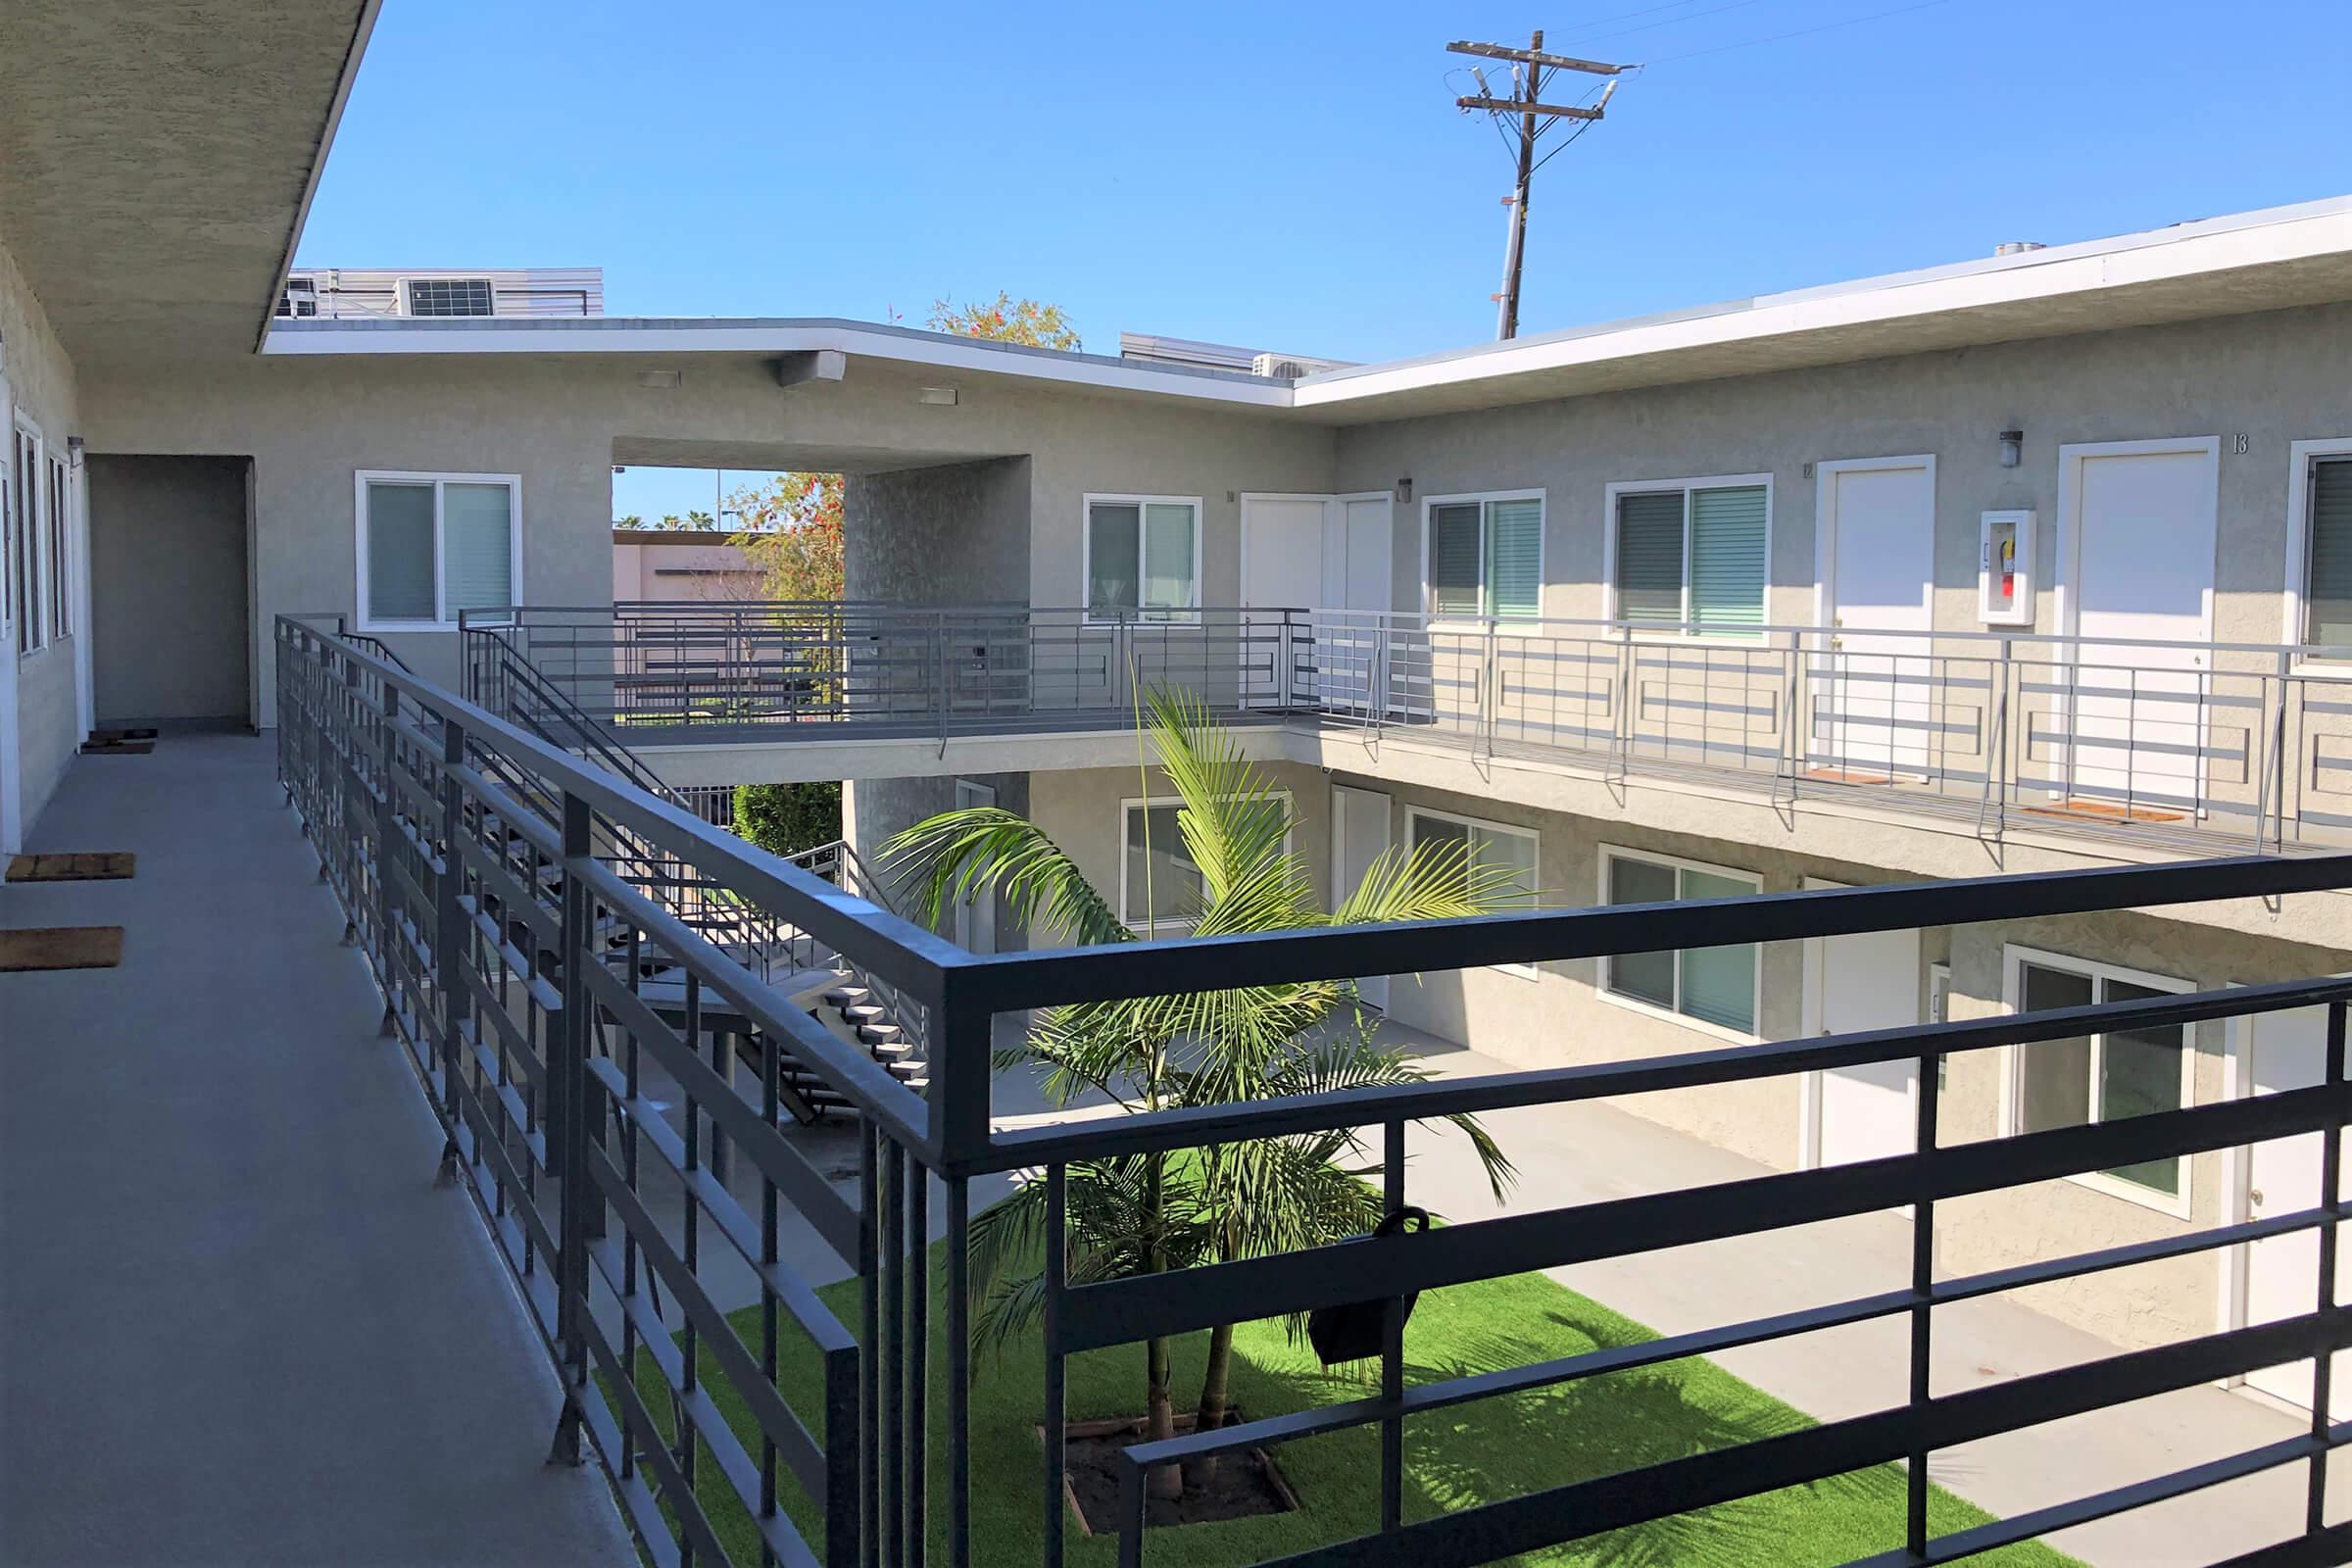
x,y
1456,1459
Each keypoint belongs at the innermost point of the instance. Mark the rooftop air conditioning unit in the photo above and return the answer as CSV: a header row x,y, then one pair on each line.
x,y
1290,367
301,298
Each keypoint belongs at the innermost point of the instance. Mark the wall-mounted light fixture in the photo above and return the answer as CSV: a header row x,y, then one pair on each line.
x,y
2013,448
938,396
1404,490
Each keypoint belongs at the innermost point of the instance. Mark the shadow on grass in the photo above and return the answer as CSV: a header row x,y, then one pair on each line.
x,y
1458,1458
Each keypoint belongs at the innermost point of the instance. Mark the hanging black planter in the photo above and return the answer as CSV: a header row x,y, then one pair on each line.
x,y
1351,1331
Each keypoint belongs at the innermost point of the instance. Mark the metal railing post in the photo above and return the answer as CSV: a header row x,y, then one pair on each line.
x,y
387,837
1923,1293
449,946
566,1121
2331,1213
1391,1343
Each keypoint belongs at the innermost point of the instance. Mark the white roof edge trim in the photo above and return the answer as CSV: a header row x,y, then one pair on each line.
x,y
2210,247
617,335
2324,228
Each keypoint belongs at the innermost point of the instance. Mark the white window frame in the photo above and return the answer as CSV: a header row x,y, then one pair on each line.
x,y
30,472
1183,615
1412,813
1522,624
1173,926
1674,1015
407,301
2013,959
2301,458
1608,553
442,621
57,502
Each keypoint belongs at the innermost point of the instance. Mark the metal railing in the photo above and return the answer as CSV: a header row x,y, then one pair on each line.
x,y
2200,746
498,967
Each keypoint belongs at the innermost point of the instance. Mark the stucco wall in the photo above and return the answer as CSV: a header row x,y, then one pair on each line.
x,y
874,808
955,534
310,424
41,381
2276,377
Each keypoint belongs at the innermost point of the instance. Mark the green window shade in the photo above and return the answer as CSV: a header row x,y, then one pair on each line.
x,y
1162,883
2327,610
1515,558
1648,976
400,552
1454,573
1727,556
1113,560
477,540
1169,556
1719,984
1649,557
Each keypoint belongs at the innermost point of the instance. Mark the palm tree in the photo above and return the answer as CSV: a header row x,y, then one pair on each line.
x,y
1150,1213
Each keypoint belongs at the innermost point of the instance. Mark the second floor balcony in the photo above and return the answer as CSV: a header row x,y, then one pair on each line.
x,y
2174,746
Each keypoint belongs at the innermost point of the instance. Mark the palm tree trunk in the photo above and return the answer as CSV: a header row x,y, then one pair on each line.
x,y
1159,1420
1215,1384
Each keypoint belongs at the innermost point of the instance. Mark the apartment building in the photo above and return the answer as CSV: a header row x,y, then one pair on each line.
x,y
2030,562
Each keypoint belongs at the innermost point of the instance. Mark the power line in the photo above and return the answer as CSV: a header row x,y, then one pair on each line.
x,y
1534,119
1627,16
1689,15
1800,33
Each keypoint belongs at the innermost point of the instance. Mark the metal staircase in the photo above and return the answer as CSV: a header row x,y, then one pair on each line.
x,y
848,1003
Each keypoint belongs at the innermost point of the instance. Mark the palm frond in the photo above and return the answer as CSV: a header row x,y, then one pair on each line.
x,y
957,855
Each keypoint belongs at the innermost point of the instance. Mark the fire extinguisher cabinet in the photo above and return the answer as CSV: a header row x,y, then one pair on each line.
x,y
2005,569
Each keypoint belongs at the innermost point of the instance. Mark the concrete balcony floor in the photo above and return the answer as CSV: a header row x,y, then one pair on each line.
x,y
238,1322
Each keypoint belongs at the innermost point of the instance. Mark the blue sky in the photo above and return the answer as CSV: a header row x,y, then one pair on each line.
x,y
1294,176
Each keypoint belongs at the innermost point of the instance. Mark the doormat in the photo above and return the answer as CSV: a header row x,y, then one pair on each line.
x,y
105,866
60,947
96,748
113,737
1846,775
2106,811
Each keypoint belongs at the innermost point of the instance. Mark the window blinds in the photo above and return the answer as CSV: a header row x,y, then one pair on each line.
x,y
2327,610
1727,556
400,552
477,527
1514,557
1649,557
1453,559
1113,555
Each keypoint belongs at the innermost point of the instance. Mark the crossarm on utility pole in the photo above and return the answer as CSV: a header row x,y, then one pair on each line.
x,y
1532,57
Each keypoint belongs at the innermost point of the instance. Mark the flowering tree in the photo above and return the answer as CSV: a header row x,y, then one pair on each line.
x,y
792,533
1005,319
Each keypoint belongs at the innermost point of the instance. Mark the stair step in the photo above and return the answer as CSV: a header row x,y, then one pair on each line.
x,y
918,1085
846,995
878,1034
864,1012
890,1051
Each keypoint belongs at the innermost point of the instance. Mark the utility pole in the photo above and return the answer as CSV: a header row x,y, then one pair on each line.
x,y
1535,117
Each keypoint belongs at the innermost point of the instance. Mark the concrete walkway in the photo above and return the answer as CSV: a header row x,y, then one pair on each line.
x,y
238,1323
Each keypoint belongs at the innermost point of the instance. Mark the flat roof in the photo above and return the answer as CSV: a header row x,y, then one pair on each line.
x,y
2268,260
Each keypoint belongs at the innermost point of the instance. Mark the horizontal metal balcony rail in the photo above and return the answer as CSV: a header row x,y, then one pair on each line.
x,y
511,977
2192,747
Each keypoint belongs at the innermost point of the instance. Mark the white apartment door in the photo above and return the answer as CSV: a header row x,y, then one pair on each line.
x,y
1874,682
1359,834
1354,644
1856,983
13,556
975,917
1282,570
2135,541
2289,1051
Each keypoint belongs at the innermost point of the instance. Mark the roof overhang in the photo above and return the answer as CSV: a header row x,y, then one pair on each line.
x,y
2263,261
159,161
